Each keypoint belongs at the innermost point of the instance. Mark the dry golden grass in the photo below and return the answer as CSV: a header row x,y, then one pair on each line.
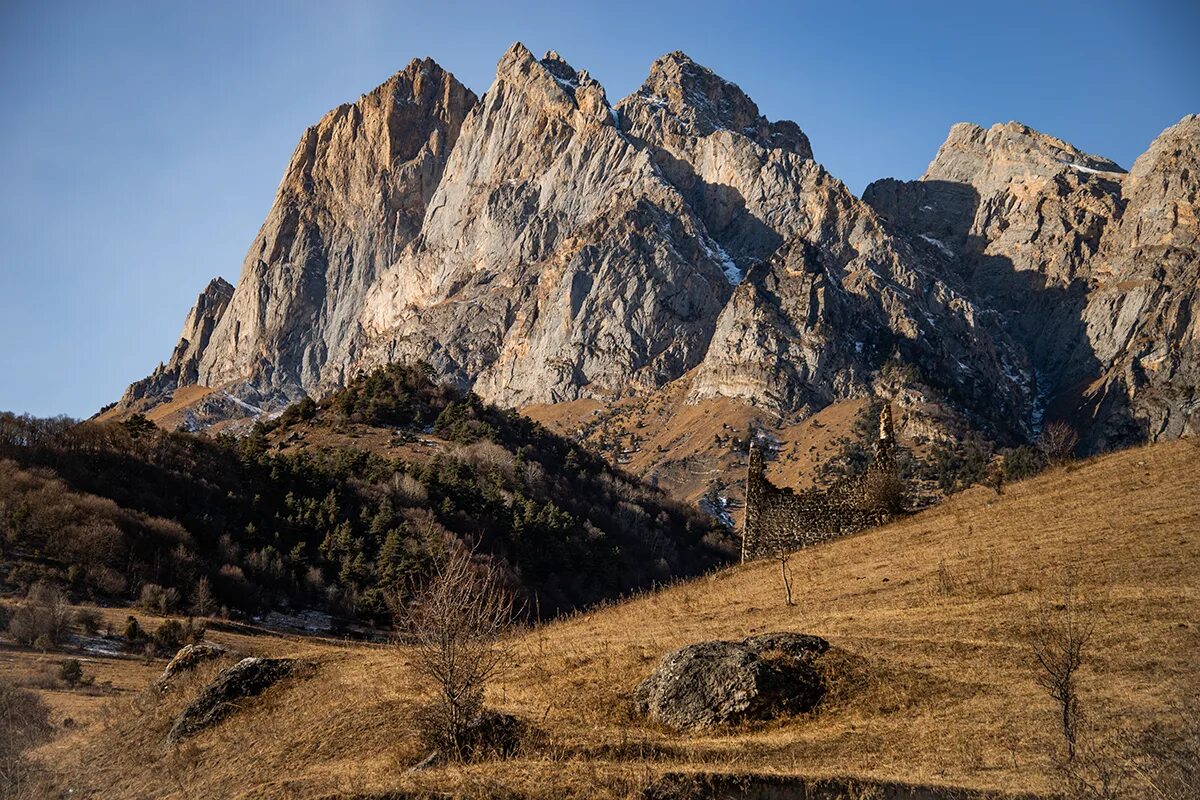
x,y
931,616
677,441
168,416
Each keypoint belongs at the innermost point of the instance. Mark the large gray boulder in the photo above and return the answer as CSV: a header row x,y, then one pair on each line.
x,y
718,682
247,678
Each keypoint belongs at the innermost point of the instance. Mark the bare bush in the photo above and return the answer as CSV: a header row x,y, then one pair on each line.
x,y
24,723
409,491
203,604
455,628
1057,442
157,599
44,615
1060,636
883,493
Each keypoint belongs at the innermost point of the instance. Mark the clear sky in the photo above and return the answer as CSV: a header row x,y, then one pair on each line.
x,y
141,142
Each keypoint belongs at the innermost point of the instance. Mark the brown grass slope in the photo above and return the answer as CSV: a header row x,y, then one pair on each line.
x,y
937,609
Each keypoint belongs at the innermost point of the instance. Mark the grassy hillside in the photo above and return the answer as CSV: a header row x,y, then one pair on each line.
x,y
935,614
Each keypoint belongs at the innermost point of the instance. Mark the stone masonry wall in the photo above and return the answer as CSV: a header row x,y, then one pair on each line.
x,y
779,519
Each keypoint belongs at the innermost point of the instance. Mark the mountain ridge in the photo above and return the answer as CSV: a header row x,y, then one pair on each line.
x,y
548,245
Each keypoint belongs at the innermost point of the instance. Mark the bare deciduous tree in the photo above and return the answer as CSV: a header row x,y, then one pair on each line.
x,y
1060,636
203,602
1057,442
783,556
455,628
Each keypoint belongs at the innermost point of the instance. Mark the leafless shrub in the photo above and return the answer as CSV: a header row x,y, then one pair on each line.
x,y
883,493
487,456
89,621
1061,634
158,599
24,723
204,604
455,628
409,491
1057,442
44,615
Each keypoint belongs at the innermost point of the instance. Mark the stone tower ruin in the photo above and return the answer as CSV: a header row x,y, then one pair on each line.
x,y
779,519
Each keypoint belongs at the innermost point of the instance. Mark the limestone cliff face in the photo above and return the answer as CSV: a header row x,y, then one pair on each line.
x,y
1046,235
1143,317
182,369
353,197
555,261
540,244
830,296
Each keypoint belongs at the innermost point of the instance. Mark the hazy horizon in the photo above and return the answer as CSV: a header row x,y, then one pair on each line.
x,y
143,141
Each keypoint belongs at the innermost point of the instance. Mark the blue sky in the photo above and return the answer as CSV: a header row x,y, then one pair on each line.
x,y
141,142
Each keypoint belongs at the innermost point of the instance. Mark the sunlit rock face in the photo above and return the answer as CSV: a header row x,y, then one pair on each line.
x,y
542,244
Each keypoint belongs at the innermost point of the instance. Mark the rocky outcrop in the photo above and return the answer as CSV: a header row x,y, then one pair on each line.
x,y
1046,236
247,678
188,658
353,196
1143,316
183,368
719,682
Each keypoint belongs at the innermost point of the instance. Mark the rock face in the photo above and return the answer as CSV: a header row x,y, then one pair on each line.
x,y
247,678
718,682
183,368
353,196
541,245
1143,317
1046,236
555,261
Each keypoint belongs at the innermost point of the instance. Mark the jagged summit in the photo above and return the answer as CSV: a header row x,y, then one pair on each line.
x,y
694,100
1007,150
182,367
539,245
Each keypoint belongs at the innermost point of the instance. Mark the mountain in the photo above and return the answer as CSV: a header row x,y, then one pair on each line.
x,y
542,245
354,194
1091,269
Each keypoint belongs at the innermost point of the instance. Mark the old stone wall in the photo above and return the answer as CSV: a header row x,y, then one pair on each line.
x,y
780,520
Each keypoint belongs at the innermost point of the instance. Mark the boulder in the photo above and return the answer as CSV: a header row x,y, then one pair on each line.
x,y
188,657
719,682
247,678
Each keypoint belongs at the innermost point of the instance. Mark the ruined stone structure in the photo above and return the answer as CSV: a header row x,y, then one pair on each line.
x,y
780,520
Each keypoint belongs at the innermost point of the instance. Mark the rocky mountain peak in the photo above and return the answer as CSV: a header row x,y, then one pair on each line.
x,y
216,288
1163,189
537,246
551,85
182,367
693,100
973,154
